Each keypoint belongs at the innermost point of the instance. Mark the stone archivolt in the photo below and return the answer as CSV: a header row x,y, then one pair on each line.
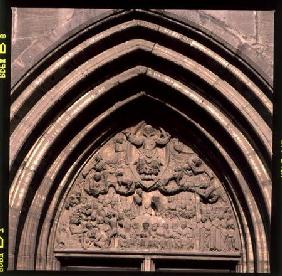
x,y
146,190
176,64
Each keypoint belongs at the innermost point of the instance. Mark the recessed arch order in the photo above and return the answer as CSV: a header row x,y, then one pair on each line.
x,y
90,86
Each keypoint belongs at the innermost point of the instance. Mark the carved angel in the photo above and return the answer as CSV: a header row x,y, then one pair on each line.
x,y
208,191
96,183
198,167
150,138
124,185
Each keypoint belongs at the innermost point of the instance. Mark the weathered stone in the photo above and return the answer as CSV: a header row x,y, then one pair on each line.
x,y
146,190
234,27
89,180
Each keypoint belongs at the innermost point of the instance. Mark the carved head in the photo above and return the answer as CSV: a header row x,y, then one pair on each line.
x,y
114,203
156,202
178,146
99,219
182,204
97,177
232,226
95,205
89,225
75,219
83,200
165,226
93,215
98,158
100,199
139,191
119,138
147,204
229,214
126,225
108,215
204,218
183,225
104,227
212,216
146,225
119,172
135,225
197,161
86,209
155,226
148,131
191,212
105,203
137,199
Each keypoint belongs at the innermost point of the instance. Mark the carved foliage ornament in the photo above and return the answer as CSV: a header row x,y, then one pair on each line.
x,y
146,190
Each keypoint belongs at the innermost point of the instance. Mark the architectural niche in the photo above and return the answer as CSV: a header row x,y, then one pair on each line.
x,y
140,142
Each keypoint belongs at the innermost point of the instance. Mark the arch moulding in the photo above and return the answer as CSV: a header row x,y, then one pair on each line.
x,y
140,114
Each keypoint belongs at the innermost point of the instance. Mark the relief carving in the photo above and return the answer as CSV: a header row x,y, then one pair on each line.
x,y
146,190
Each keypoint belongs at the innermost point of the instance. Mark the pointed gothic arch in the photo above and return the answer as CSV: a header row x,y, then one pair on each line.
x,y
91,87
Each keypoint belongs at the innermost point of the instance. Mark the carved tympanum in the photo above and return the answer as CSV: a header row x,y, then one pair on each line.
x,y
146,190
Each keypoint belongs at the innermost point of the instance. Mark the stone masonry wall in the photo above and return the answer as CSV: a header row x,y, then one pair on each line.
x,y
37,30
